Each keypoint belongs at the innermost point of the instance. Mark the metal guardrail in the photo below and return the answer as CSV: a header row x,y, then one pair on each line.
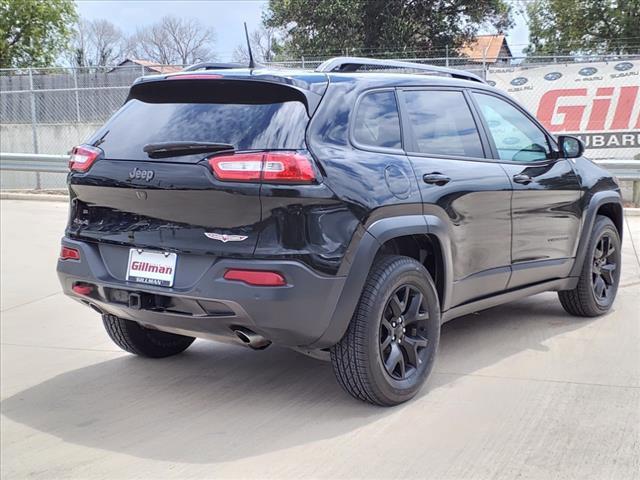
x,y
622,169
38,163
34,162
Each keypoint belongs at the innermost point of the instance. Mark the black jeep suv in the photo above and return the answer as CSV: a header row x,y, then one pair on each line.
x,y
344,214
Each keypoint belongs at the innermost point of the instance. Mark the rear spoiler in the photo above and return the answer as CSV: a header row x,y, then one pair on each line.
x,y
215,66
210,87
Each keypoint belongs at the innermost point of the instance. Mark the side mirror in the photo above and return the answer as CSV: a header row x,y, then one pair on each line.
x,y
570,147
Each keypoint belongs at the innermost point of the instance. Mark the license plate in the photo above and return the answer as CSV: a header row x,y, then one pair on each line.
x,y
155,268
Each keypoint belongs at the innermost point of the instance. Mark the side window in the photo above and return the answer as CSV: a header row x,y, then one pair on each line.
x,y
442,123
516,137
376,122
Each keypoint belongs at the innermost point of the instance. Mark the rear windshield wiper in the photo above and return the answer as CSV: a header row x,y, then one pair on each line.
x,y
173,149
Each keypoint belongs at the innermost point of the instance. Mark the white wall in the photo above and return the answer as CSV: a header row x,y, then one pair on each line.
x,y
54,139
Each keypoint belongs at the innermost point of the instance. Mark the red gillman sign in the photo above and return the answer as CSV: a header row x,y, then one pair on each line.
x,y
610,108
599,102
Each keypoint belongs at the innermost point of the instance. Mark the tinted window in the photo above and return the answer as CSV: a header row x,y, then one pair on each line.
x,y
377,122
256,126
442,123
516,137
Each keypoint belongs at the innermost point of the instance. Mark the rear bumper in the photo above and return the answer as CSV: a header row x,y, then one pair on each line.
x,y
207,305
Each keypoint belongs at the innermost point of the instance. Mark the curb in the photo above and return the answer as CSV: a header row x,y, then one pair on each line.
x,y
35,197
632,212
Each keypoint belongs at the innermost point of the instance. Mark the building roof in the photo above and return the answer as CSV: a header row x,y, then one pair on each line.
x,y
486,48
153,66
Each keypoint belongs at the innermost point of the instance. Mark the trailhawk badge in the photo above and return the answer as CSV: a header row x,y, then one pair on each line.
x,y
224,238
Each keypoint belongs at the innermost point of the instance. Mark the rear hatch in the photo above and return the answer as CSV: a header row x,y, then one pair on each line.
x,y
171,200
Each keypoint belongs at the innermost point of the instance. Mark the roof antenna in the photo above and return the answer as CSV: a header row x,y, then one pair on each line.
x,y
246,33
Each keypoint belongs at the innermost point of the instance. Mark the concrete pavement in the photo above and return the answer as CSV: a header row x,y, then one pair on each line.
x,y
519,391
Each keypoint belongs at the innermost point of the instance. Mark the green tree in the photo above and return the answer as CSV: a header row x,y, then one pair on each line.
x,y
34,32
583,26
379,27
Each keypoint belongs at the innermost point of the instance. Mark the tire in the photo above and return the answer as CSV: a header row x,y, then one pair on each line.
x,y
359,358
134,338
585,300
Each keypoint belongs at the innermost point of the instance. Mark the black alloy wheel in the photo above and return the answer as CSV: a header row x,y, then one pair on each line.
x,y
600,274
403,339
389,348
604,267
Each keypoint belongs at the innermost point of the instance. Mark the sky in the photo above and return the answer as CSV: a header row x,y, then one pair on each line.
x,y
225,16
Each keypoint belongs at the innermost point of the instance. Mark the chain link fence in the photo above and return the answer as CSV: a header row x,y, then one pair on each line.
x,y
48,111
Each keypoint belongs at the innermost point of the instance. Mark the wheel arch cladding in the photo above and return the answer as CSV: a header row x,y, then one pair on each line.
x,y
426,249
614,212
607,203
380,237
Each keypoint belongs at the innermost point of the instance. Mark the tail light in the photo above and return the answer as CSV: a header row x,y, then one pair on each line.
x,y
258,278
272,167
287,167
243,167
67,253
82,157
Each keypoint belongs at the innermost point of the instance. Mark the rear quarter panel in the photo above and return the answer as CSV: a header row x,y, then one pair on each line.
x,y
371,184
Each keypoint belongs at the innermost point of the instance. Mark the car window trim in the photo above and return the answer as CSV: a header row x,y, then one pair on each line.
x,y
494,150
373,148
410,142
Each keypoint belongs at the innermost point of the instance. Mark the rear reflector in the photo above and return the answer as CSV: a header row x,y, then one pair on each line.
x,y
82,289
82,157
259,278
272,167
67,253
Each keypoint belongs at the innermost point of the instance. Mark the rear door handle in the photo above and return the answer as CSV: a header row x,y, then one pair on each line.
x,y
436,178
522,178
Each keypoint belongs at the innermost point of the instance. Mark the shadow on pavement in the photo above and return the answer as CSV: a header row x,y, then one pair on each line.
x,y
218,403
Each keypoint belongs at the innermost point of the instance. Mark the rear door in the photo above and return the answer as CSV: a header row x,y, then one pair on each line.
x,y
546,192
470,193
176,202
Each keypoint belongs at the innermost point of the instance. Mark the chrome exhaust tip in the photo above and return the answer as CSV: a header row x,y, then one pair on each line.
x,y
251,339
96,308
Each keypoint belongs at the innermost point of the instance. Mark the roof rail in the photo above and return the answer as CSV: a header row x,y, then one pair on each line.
x,y
214,66
353,64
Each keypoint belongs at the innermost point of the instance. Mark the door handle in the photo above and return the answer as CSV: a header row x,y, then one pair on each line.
x,y
436,178
522,178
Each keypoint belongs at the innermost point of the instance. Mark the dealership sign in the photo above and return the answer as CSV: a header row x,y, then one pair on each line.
x,y
599,102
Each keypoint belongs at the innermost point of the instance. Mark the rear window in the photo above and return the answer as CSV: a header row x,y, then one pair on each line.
x,y
377,123
275,125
